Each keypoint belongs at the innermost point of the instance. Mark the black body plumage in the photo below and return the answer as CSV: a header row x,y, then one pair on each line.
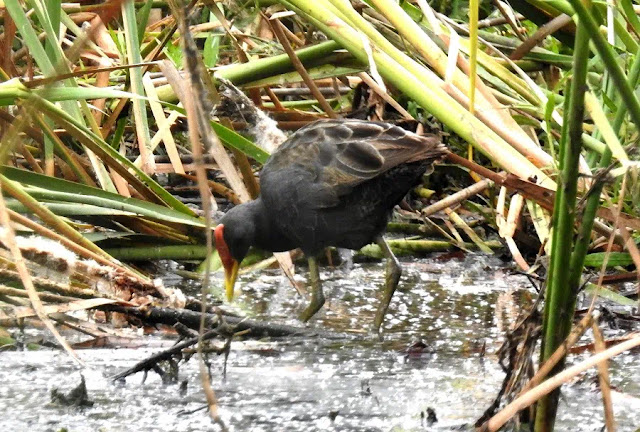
x,y
332,183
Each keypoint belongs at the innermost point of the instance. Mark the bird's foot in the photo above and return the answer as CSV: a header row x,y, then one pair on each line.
x,y
375,334
316,303
376,328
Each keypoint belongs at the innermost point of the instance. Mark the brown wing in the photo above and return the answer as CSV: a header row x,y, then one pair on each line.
x,y
327,159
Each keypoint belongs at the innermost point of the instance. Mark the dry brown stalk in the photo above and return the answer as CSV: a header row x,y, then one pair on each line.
x,y
75,305
277,26
510,17
603,378
15,292
617,214
630,244
562,351
214,147
543,371
48,285
72,246
164,126
199,128
274,99
244,165
541,195
530,397
457,197
384,95
549,28
460,223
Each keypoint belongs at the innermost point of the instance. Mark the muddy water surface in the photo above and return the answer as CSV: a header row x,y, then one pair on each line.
x,y
452,310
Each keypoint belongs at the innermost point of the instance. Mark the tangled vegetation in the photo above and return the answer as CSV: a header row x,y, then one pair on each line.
x,y
109,135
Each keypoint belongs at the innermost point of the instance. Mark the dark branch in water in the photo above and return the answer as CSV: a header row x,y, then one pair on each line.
x,y
151,362
191,319
225,328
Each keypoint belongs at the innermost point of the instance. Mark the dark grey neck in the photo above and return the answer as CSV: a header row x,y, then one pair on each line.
x,y
267,236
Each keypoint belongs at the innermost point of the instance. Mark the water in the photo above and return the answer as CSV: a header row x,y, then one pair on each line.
x,y
456,308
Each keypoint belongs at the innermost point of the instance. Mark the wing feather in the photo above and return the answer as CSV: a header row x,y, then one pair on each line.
x,y
327,159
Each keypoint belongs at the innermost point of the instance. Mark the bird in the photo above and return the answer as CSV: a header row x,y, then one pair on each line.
x,y
331,183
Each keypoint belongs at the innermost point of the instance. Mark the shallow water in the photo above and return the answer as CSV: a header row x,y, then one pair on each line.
x,y
455,307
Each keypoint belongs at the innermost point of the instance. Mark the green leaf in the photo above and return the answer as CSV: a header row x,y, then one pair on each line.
x,y
70,209
174,52
211,50
143,18
615,259
610,295
119,163
62,190
232,139
55,94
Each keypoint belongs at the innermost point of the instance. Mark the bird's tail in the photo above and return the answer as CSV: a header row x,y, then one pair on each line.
x,y
431,150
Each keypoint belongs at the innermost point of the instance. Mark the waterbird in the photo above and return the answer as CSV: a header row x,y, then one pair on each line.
x,y
331,183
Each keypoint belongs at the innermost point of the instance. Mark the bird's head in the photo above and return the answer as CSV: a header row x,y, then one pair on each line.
x,y
234,235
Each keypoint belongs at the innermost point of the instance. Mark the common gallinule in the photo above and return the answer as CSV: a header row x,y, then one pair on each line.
x,y
331,183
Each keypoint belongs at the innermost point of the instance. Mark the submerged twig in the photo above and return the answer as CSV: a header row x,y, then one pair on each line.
x,y
150,362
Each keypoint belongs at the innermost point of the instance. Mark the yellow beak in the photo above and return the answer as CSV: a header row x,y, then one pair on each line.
x,y
230,276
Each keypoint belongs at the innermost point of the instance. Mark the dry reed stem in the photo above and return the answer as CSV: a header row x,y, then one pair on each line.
x,y
460,223
277,26
164,126
215,148
48,285
216,187
629,243
33,163
488,108
509,227
510,18
457,238
54,298
516,254
73,247
562,350
457,197
75,305
244,165
616,219
530,397
549,28
603,378
254,93
21,266
102,80
384,95
199,128
274,99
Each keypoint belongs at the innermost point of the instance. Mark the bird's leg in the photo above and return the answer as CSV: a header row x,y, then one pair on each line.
x,y
317,296
393,273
